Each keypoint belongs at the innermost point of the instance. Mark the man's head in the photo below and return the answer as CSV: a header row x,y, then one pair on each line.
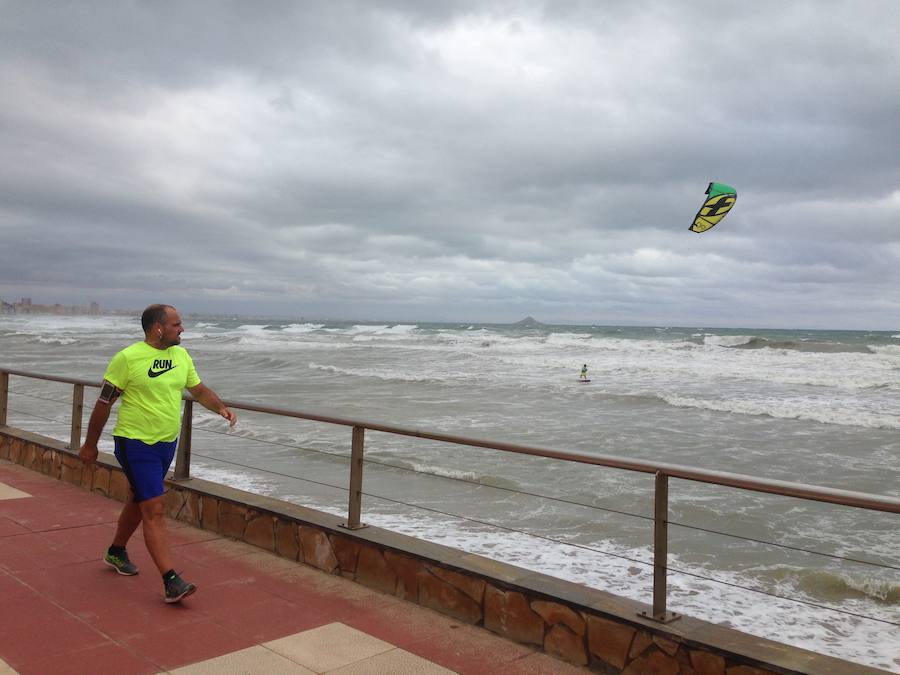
x,y
162,325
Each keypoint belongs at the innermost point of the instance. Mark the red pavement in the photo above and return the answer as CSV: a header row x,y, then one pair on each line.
x,y
63,611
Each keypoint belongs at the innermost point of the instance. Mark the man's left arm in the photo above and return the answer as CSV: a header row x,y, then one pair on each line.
x,y
209,400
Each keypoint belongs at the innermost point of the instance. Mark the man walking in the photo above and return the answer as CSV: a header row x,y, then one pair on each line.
x,y
149,376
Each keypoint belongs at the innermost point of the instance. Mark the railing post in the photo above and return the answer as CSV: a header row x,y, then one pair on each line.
x,y
660,550
354,507
4,396
77,413
183,453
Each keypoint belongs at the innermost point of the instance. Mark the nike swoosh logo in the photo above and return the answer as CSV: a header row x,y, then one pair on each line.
x,y
157,373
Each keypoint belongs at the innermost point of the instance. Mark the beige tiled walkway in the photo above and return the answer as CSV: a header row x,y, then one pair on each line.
x,y
333,648
9,492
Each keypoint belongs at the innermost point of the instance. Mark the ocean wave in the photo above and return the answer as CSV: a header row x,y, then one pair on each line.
x,y
756,342
574,339
382,329
237,480
780,409
302,328
724,340
54,340
457,474
886,350
387,375
833,586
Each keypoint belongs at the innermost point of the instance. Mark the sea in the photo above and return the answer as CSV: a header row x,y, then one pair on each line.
x,y
814,407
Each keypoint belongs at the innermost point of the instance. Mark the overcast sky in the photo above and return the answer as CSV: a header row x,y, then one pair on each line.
x,y
463,161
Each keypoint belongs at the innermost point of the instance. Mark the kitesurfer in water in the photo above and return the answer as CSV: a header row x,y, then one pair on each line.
x,y
584,372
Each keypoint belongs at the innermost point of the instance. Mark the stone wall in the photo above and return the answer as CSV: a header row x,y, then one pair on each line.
x,y
580,625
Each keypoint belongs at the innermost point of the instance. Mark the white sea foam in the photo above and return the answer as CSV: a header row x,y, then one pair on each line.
x,y
56,340
231,478
378,373
726,340
797,409
56,328
302,328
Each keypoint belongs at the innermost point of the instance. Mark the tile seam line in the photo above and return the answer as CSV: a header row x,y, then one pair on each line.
x,y
53,529
112,640
81,650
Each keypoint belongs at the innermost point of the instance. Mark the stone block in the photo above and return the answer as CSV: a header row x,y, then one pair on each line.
x,y
373,571
668,645
87,475
119,488
444,597
190,512
15,450
554,613
707,663
471,586
28,455
609,641
47,468
41,458
209,513
656,662
684,661
232,519
287,544
347,552
71,470
566,645
260,531
407,570
317,549
173,500
509,613
39,453
101,480
640,643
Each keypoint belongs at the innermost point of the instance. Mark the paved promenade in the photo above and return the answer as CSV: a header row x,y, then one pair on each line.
x,y
64,611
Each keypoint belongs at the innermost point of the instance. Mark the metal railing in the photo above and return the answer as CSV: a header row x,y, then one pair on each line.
x,y
662,472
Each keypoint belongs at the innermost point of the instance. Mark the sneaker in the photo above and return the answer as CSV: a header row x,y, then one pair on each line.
x,y
177,588
121,564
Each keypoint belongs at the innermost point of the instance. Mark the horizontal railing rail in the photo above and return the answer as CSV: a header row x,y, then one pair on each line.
x,y
661,471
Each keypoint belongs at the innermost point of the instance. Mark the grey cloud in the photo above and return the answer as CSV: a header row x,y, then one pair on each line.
x,y
357,158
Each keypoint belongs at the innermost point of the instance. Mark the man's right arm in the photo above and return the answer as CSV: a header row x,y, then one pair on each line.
x,y
108,395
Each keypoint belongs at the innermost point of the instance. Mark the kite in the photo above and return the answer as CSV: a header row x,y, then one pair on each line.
x,y
719,202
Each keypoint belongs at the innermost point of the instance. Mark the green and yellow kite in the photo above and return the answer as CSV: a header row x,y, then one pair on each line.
x,y
719,202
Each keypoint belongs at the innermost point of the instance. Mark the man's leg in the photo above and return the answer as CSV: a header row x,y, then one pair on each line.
x,y
116,556
154,522
129,519
153,517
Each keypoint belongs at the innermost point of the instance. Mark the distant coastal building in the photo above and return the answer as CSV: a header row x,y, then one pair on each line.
x,y
25,306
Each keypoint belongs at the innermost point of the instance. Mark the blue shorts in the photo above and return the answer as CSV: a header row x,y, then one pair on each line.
x,y
145,465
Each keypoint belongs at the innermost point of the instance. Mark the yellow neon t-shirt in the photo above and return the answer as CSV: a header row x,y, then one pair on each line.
x,y
151,381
